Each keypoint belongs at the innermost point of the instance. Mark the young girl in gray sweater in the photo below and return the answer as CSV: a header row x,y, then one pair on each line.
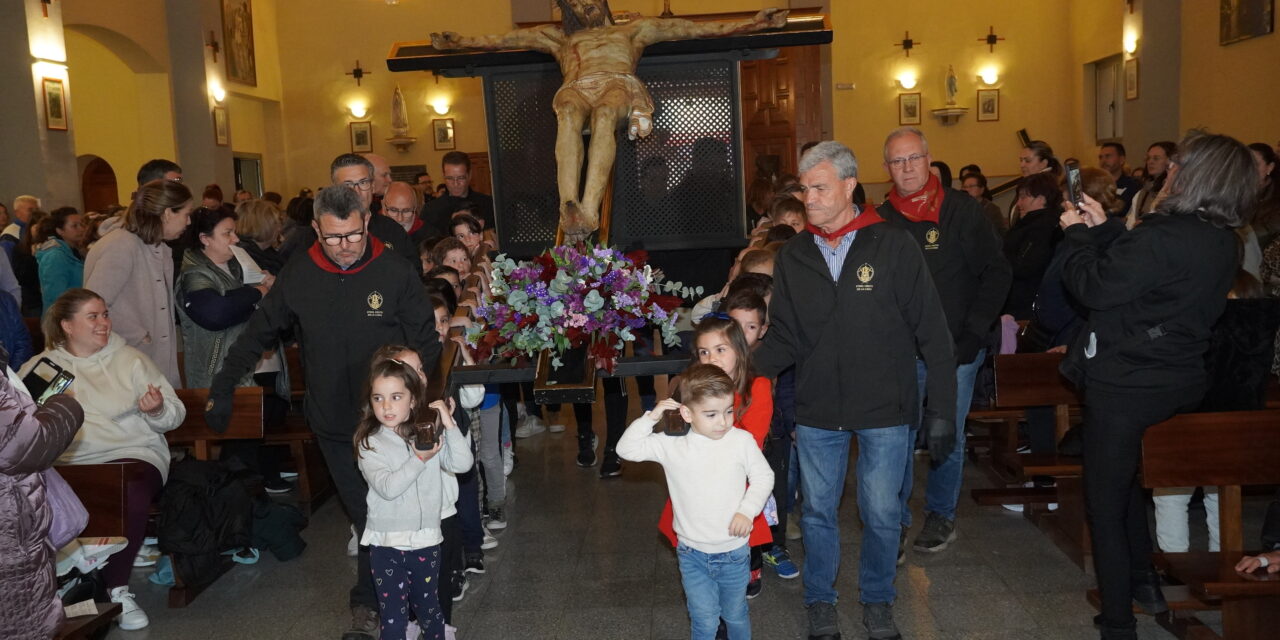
x,y
404,465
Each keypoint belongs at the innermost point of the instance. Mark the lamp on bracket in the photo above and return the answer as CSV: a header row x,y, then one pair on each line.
x,y
357,109
907,80
989,75
440,106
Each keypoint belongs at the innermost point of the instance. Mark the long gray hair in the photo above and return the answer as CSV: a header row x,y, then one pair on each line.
x,y
1215,179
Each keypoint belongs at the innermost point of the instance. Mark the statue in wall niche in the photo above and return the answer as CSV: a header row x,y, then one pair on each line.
x,y
598,59
952,86
399,114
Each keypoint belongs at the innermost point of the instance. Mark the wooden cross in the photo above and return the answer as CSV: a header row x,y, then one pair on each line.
x,y
991,38
213,45
358,73
907,43
666,10
1130,3
44,7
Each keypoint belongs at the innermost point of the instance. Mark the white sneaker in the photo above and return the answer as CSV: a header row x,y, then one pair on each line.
x,y
489,541
508,459
554,424
147,556
353,545
412,631
529,426
131,617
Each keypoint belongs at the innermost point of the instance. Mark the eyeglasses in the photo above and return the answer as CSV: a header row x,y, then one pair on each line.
x,y
457,178
362,185
399,212
349,238
899,163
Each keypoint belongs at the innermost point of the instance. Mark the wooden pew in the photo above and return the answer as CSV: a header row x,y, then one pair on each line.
x,y
101,488
1228,450
1027,380
246,420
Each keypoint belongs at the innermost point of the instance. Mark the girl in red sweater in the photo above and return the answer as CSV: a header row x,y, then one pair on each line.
x,y
718,340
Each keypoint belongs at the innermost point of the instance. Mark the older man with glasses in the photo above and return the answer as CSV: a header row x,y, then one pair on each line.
x,y
968,268
349,295
401,204
357,174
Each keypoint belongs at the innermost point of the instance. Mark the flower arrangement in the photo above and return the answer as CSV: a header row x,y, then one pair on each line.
x,y
574,296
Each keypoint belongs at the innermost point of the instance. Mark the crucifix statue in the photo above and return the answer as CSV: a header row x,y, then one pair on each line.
x,y
598,60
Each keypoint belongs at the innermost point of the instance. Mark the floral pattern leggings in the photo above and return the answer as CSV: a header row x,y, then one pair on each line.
x,y
405,578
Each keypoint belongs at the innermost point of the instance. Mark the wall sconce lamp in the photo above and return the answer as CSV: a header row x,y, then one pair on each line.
x,y
217,92
440,106
989,75
1130,43
907,79
357,109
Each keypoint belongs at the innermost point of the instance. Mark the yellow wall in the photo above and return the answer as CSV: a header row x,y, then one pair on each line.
x,y
319,40
1229,89
121,116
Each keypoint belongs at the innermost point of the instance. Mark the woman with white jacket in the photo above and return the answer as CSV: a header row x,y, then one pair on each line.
x,y
128,406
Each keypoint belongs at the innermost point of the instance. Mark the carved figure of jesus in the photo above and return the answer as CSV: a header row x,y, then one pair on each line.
x,y
598,60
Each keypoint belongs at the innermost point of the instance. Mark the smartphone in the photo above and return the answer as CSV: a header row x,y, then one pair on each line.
x,y
1075,192
46,380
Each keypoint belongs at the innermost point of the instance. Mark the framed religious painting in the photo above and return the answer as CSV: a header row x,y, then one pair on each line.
x,y
362,137
221,129
442,134
1131,79
237,41
55,104
988,105
909,108
1243,19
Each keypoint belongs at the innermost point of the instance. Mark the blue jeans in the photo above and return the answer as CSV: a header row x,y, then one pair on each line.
x,y
942,493
824,460
715,586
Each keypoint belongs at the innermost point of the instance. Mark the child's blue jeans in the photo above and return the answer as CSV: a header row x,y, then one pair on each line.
x,y
715,586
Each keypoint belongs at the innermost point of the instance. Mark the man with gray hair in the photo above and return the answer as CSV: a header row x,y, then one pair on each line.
x,y
401,205
23,207
348,296
972,276
853,305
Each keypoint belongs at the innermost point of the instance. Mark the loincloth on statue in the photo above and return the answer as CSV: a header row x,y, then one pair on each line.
x,y
593,86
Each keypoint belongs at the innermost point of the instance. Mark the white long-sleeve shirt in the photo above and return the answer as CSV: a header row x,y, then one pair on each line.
x,y
709,480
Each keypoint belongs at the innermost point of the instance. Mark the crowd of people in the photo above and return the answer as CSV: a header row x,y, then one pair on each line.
x,y
841,320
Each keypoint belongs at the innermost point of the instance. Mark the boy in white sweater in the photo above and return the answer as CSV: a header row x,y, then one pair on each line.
x,y
718,481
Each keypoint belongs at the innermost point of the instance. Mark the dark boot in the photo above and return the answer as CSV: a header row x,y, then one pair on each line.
x,y
1147,593
587,450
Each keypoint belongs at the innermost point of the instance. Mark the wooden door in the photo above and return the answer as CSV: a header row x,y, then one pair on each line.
x,y
98,186
481,176
781,106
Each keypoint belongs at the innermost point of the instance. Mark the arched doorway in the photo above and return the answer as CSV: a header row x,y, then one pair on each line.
x,y
98,185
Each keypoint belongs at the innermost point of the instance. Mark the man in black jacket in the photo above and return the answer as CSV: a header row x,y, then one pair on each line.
x,y
972,277
853,303
348,296
456,169
357,174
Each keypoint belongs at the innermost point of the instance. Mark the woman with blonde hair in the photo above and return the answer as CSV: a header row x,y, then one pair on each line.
x,y
131,267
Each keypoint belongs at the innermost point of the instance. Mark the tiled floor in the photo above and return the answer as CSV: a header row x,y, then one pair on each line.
x,y
582,559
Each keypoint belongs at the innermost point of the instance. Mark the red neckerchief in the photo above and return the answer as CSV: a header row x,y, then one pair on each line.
x,y
867,218
318,256
925,204
417,224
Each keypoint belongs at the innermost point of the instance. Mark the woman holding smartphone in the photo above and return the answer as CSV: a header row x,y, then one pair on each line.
x,y
1153,295
128,406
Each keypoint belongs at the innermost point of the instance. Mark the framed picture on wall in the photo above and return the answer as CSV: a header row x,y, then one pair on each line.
x,y
221,129
237,39
909,108
1243,19
1131,79
988,105
55,104
362,137
442,134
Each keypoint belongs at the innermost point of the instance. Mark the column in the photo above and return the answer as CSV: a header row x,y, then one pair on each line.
x,y
196,80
